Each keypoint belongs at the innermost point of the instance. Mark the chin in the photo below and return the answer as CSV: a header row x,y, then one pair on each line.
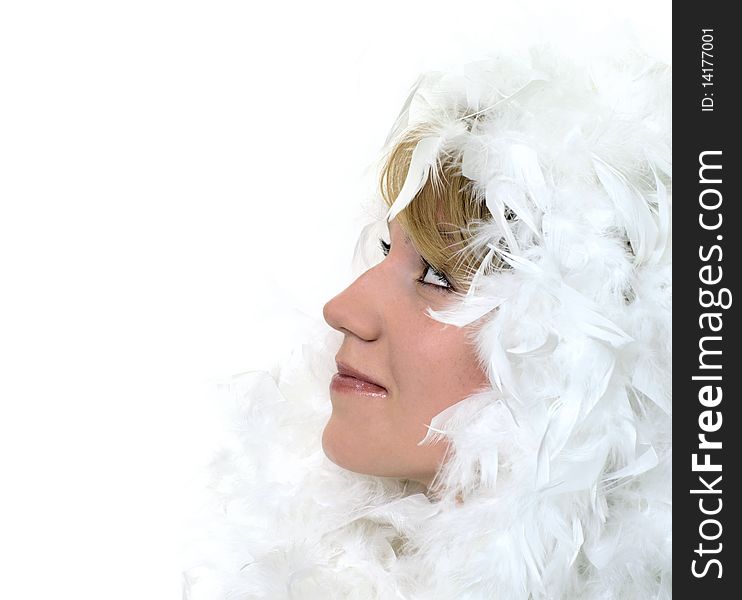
x,y
328,447
347,450
338,447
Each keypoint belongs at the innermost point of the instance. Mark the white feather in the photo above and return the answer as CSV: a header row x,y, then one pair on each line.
x,y
422,161
663,205
527,171
547,346
467,310
636,216
646,461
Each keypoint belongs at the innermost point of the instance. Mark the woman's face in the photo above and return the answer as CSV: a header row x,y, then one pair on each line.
x,y
397,367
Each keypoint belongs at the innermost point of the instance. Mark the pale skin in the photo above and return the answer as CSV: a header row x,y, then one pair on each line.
x,y
421,365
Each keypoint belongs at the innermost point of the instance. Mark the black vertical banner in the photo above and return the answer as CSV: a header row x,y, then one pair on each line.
x,y
707,427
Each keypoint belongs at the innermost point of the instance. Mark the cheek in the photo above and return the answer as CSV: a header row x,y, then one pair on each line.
x,y
432,367
437,368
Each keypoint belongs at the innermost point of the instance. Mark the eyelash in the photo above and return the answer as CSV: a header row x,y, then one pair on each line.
x,y
385,247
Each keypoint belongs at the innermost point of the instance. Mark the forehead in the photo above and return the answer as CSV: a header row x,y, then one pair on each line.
x,y
396,231
399,236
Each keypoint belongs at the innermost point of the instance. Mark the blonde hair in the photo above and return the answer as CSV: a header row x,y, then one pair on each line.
x,y
443,217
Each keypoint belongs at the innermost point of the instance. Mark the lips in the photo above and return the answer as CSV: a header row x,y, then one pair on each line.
x,y
351,381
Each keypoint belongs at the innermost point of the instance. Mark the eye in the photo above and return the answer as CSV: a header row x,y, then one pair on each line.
x,y
431,276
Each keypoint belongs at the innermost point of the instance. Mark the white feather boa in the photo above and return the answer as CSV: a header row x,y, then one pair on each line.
x,y
562,471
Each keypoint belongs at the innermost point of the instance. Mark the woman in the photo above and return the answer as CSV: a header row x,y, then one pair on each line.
x,y
498,416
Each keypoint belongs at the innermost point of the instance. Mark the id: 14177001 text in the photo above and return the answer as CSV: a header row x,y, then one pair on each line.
x,y
707,69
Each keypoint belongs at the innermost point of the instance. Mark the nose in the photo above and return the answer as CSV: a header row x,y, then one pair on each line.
x,y
357,309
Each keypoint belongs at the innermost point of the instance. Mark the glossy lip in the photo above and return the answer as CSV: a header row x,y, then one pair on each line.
x,y
344,369
350,380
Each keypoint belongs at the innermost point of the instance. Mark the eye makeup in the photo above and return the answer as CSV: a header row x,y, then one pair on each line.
x,y
430,276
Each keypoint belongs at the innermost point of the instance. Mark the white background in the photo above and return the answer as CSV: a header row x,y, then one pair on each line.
x,y
180,192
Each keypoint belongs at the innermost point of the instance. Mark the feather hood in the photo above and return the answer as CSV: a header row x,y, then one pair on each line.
x,y
558,480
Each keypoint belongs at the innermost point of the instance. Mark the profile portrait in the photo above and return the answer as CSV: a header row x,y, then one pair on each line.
x,y
483,409
361,301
